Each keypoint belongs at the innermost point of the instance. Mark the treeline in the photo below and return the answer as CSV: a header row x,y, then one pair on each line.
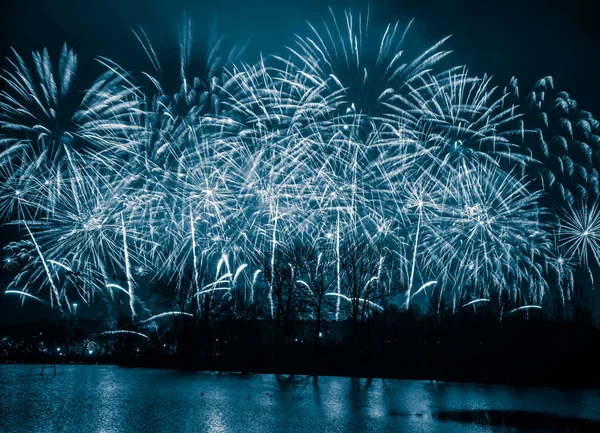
x,y
401,344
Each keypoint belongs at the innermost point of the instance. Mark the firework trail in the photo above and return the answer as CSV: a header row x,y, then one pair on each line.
x,y
475,301
524,307
166,314
363,301
366,66
25,295
123,331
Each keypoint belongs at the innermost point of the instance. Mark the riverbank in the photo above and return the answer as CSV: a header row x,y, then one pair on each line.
x,y
283,361
513,353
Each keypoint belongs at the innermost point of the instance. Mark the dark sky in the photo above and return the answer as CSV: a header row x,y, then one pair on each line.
x,y
528,39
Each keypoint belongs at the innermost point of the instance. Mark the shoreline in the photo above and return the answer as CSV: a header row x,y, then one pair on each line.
x,y
182,365
510,353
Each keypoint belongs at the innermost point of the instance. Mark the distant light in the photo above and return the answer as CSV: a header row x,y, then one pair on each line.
x,y
320,334
58,349
75,305
90,351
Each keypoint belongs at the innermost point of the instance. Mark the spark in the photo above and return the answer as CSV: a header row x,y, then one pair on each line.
x,y
423,287
9,262
168,313
116,286
44,263
129,278
525,307
29,295
414,257
123,331
254,278
54,262
364,301
475,301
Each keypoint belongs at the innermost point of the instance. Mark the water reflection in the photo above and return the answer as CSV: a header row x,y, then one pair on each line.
x,y
521,420
112,399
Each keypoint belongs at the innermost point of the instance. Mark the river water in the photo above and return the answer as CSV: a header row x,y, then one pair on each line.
x,y
97,398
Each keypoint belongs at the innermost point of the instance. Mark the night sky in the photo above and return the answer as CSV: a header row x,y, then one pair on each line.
x,y
528,39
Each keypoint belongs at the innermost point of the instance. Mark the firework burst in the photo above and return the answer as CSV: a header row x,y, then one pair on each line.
x,y
411,179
